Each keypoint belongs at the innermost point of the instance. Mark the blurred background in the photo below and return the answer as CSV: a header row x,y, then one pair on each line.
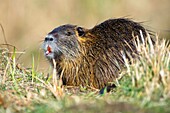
x,y
26,22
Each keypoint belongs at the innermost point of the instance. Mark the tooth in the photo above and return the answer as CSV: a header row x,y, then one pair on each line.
x,y
49,48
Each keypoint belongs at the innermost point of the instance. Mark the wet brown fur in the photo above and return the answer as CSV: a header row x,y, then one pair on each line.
x,y
99,57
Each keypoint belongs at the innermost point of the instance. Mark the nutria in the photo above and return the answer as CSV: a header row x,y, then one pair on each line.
x,y
92,57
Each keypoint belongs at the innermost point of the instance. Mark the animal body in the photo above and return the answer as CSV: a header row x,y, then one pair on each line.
x,y
92,57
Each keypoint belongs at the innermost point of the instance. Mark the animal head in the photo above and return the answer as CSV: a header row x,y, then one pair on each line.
x,y
63,41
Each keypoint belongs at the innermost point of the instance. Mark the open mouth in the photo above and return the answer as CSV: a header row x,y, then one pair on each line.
x,y
49,50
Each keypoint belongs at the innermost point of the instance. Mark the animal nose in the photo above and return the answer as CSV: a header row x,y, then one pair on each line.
x,y
49,38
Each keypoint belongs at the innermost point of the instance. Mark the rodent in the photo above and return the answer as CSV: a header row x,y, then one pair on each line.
x,y
92,57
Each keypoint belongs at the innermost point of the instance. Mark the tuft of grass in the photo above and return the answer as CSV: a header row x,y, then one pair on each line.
x,y
147,78
16,87
144,86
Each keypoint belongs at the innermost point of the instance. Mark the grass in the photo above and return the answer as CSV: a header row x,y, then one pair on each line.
x,y
143,88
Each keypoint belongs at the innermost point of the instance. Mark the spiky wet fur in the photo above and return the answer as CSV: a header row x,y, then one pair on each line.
x,y
97,56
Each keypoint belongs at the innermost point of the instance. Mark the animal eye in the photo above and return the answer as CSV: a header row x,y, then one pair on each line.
x,y
68,33
80,31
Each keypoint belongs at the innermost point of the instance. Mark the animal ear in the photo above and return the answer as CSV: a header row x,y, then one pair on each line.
x,y
81,31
